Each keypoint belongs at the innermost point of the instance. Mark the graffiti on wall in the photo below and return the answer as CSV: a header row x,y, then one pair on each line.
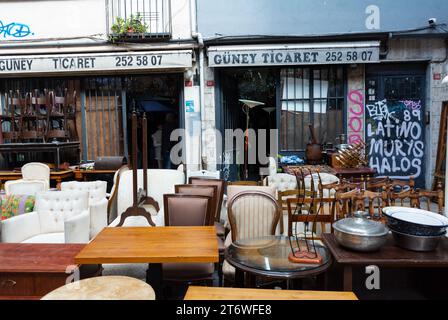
x,y
14,30
395,134
355,117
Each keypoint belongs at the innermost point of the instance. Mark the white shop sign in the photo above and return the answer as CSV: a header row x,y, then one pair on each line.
x,y
309,54
15,65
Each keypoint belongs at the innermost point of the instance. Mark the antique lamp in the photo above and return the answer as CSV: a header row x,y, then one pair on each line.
x,y
247,105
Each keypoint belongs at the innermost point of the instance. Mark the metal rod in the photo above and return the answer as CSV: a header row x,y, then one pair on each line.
x,y
134,158
145,153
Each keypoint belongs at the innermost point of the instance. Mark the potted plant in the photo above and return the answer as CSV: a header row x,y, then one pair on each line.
x,y
130,27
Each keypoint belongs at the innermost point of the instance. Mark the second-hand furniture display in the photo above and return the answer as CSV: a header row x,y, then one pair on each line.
x,y
153,246
58,217
207,293
103,288
30,271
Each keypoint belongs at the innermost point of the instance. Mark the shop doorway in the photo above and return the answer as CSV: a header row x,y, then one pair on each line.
x,y
160,98
257,84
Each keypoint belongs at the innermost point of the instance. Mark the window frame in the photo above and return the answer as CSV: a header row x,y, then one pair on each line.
x,y
311,100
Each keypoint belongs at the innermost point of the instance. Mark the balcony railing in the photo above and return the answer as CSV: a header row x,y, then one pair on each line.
x,y
154,15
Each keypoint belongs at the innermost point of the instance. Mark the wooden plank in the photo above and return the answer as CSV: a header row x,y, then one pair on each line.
x,y
37,258
215,293
151,245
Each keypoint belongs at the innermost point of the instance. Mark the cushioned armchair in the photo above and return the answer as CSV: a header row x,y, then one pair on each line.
x,y
97,202
58,217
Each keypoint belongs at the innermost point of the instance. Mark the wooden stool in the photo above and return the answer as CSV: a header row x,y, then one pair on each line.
x,y
104,288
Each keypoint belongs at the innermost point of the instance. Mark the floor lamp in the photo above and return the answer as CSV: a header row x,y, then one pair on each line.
x,y
247,105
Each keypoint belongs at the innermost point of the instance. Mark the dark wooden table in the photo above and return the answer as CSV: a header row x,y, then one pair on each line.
x,y
388,256
55,147
30,271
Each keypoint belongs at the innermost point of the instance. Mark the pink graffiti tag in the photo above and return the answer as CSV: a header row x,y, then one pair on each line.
x,y
355,116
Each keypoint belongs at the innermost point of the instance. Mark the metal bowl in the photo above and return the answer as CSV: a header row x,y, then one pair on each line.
x,y
360,234
416,243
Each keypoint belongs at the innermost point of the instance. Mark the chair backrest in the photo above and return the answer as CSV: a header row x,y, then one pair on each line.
x,y
253,214
54,207
198,190
97,189
282,181
322,182
160,182
187,210
310,210
232,191
36,171
112,203
243,183
418,199
25,187
220,186
361,200
204,174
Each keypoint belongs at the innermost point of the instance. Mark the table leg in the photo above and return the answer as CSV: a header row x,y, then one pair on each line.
x,y
348,278
239,278
250,280
154,276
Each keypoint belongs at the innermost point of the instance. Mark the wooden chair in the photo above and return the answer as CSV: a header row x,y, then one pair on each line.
x,y
33,123
421,199
220,186
57,118
10,119
312,210
187,210
360,200
112,203
283,196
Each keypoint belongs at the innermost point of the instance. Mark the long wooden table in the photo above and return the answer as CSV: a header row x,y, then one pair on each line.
x,y
29,271
57,176
214,293
152,245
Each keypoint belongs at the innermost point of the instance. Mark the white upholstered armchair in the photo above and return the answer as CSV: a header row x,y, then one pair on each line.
x,y
97,202
58,217
25,187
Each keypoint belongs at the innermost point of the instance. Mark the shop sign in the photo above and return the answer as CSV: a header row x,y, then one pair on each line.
x,y
220,57
13,65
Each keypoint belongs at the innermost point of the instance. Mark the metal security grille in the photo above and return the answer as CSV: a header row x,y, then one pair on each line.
x,y
311,95
156,14
102,117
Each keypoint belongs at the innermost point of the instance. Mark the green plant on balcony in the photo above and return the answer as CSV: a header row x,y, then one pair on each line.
x,y
130,27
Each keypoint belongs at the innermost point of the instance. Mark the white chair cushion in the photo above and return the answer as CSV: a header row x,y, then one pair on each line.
x,y
25,187
96,189
282,181
55,207
57,237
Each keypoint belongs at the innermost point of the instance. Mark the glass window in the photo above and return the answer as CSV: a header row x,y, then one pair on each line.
x,y
311,95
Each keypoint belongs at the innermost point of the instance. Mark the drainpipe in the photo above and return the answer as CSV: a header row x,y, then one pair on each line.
x,y
198,36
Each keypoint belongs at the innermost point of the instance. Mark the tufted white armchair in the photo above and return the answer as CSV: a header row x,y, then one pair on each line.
x,y
25,187
97,202
36,171
58,217
281,181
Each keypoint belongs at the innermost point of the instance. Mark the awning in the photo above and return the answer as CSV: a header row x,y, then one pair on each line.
x,y
95,62
294,54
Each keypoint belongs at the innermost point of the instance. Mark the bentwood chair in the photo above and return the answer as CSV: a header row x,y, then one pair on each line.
x,y
251,214
361,200
220,185
187,210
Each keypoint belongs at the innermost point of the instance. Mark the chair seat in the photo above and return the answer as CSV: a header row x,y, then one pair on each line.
x,y
134,270
57,237
187,271
220,229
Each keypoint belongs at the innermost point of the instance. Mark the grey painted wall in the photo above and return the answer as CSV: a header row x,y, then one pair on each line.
x,y
314,17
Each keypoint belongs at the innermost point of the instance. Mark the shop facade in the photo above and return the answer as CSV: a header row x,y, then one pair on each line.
x,y
105,75
383,88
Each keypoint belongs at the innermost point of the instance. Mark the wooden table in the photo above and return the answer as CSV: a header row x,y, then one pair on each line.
x,y
388,256
57,176
30,271
81,175
152,245
214,293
